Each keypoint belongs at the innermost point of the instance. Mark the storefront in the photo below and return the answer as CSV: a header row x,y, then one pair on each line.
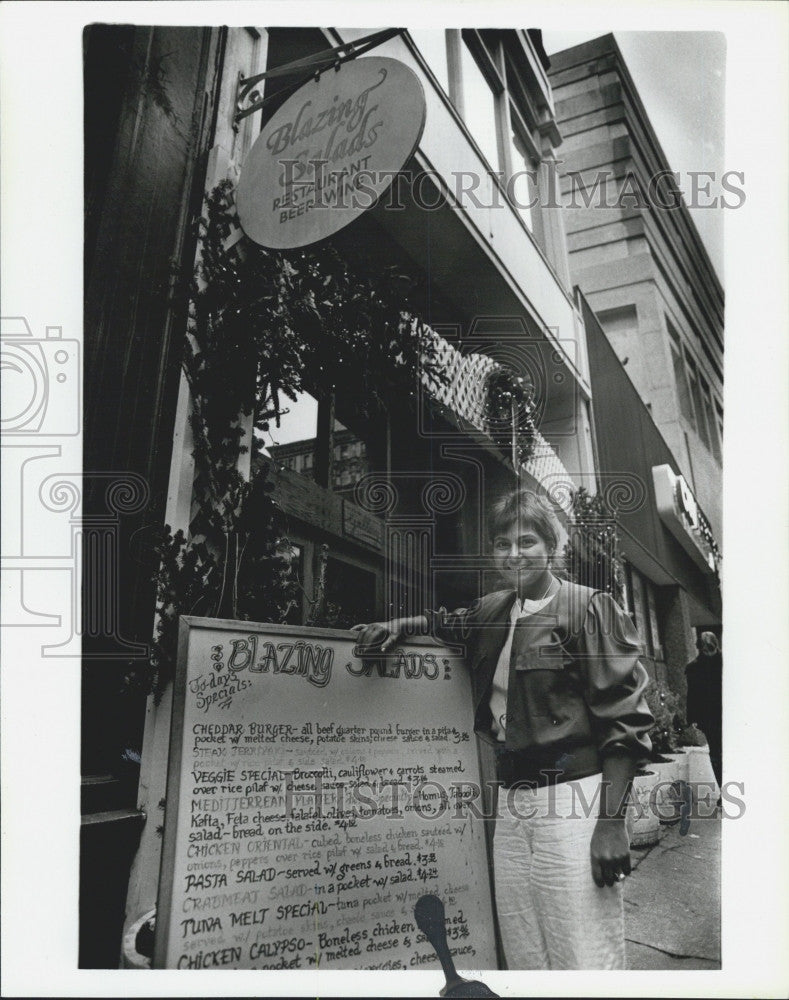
x,y
381,507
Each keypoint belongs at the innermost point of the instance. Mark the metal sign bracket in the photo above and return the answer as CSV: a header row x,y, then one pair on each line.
x,y
312,65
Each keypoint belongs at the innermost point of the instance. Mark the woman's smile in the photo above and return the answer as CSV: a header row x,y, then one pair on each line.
x,y
522,557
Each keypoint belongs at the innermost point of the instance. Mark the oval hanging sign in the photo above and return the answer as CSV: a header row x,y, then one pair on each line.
x,y
330,152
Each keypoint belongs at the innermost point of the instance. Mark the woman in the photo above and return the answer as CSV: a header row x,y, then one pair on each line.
x,y
559,693
705,697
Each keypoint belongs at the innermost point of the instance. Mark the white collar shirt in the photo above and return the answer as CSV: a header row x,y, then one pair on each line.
x,y
498,691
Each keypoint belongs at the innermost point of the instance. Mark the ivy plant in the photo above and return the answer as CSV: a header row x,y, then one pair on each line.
x,y
591,552
263,327
509,415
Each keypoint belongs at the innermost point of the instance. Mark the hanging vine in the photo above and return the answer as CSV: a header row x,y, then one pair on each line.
x,y
591,553
509,415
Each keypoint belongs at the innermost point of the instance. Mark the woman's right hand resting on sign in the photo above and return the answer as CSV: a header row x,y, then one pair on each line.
x,y
381,637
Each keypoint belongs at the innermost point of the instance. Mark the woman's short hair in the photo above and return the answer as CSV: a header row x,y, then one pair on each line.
x,y
526,509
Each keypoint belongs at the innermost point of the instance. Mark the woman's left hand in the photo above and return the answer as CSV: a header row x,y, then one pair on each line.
x,y
610,850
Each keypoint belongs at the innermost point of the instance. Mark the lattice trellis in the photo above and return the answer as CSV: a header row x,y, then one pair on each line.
x,y
466,390
466,394
544,464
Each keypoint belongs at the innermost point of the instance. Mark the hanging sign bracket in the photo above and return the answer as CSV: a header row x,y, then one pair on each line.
x,y
312,65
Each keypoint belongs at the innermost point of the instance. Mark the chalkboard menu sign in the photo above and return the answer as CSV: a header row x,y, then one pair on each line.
x,y
312,798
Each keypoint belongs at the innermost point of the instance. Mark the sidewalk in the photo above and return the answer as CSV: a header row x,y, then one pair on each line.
x,y
672,900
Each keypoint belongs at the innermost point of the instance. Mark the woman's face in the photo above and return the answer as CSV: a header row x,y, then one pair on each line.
x,y
521,555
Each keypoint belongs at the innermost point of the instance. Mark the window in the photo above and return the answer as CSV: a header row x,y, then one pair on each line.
x,y
630,597
695,391
620,326
709,413
641,604
490,88
695,398
719,421
642,611
621,320
480,106
637,614
351,462
627,590
292,444
521,173
336,460
654,631
350,594
432,44
680,376
522,152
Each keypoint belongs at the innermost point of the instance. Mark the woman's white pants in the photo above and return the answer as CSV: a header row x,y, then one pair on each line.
x,y
551,914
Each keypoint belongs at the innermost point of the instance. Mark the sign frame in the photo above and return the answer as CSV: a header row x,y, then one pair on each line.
x,y
679,511
316,215
170,844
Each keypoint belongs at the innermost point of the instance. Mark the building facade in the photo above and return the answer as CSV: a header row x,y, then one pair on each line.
x,y
475,222
640,262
